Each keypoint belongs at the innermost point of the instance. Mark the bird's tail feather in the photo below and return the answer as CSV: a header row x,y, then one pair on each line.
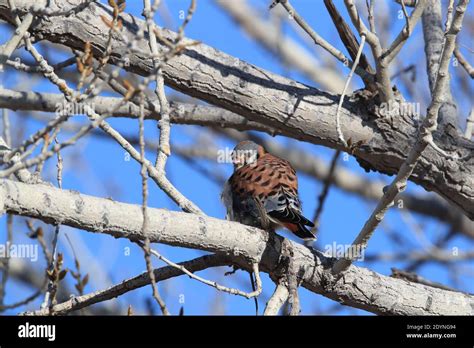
x,y
300,230
293,221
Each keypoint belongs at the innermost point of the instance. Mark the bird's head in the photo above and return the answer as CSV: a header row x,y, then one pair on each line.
x,y
246,153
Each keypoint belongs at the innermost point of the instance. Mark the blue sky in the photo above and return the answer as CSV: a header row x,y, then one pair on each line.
x,y
97,166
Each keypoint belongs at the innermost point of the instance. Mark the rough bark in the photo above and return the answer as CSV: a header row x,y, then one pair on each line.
x,y
291,108
204,115
358,287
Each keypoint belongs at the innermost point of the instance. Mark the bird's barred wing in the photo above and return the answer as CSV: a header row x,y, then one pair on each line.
x,y
271,183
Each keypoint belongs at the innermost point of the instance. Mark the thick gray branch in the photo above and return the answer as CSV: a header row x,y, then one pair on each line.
x,y
291,108
358,287
203,115
180,113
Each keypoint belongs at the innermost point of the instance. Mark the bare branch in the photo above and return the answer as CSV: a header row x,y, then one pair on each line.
x,y
370,10
413,277
12,44
338,122
324,192
131,284
278,299
348,38
387,295
424,137
318,40
383,79
403,36
219,287
164,148
146,246
289,51
464,63
295,107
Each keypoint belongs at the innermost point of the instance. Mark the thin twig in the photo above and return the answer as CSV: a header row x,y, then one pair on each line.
x,y
27,300
463,61
46,142
338,122
149,267
131,284
383,78
415,278
370,9
405,14
164,123
18,65
38,234
146,245
49,297
327,184
96,119
20,32
397,44
233,291
350,42
318,40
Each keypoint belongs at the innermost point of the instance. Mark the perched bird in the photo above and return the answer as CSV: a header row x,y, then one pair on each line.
x,y
263,191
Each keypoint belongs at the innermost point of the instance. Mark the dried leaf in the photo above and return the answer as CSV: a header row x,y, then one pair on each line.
x,y
85,280
62,274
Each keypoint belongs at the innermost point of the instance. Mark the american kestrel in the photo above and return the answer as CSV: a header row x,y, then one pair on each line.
x,y
263,191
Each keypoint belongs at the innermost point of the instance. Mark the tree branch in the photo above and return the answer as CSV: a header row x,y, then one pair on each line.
x,y
278,299
464,63
318,40
403,36
359,287
131,284
424,137
296,110
184,113
289,51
